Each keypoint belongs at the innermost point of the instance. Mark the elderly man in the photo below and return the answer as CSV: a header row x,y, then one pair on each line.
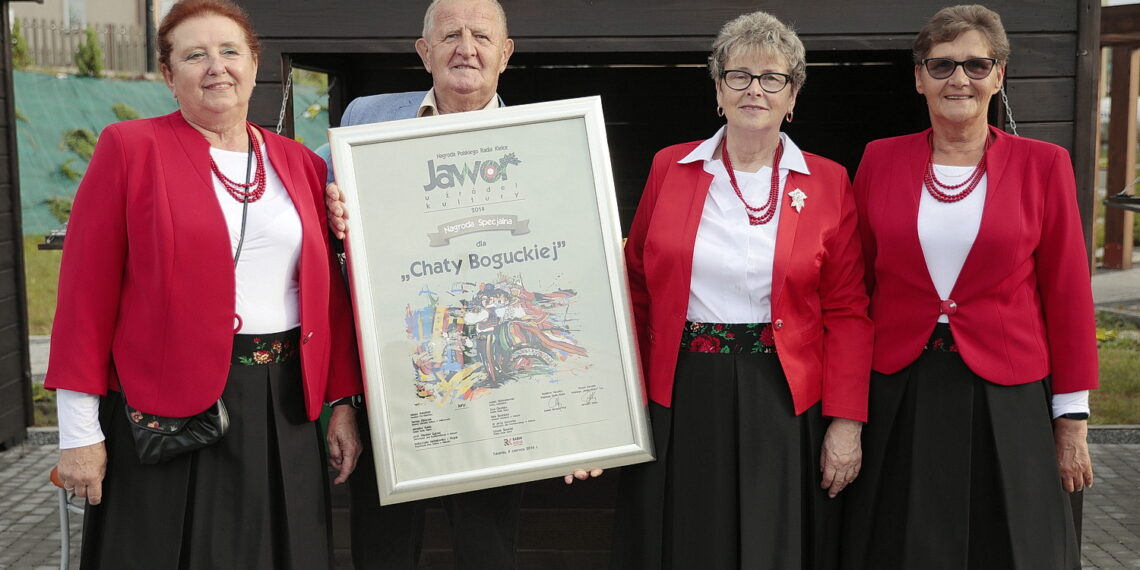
x,y
465,47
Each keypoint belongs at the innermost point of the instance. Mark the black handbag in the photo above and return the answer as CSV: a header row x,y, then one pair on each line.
x,y
159,438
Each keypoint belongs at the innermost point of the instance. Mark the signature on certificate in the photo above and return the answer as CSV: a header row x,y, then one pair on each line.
x,y
589,397
554,403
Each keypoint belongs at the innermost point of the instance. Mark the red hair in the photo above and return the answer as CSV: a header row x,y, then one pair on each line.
x,y
185,9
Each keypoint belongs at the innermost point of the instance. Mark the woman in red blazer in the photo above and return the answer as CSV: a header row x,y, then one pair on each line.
x,y
187,229
746,283
984,335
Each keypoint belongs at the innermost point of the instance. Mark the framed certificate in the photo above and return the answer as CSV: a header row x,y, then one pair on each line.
x,y
485,263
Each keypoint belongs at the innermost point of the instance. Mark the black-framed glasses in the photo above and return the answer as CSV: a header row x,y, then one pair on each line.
x,y
770,82
975,68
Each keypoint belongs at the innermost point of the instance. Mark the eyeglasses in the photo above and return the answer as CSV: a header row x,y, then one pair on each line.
x,y
975,68
771,82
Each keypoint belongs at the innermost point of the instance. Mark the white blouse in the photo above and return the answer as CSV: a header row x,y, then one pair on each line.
x,y
732,259
266,274
947,231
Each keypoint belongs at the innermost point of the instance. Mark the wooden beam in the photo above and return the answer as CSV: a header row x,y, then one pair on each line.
x,y
1120,25
589,19
1086,115
1124,89
15,325
1101,152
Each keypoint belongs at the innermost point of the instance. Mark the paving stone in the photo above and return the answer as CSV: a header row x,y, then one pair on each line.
x,y
1111,529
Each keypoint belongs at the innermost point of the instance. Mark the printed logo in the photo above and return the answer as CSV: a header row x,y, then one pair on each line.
x,y
451,175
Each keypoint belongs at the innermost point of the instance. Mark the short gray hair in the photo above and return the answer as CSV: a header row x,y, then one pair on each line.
x,y
430,13
949,23
762,32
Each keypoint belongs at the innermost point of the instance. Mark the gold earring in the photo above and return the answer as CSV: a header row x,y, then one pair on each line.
x,y
789,116
719,111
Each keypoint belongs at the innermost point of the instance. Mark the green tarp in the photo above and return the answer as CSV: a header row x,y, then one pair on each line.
x,y
49,106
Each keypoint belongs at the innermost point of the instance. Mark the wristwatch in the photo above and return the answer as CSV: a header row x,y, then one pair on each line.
x,y
1074,416
356,401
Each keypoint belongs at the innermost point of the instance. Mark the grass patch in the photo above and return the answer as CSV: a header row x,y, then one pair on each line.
x,y
1117,401
43,406
41,276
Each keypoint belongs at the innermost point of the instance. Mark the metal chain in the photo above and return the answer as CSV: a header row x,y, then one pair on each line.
x,y
1008,112
285,98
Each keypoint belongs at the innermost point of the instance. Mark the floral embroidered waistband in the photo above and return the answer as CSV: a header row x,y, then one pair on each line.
x,y
941,340
734,338
271,348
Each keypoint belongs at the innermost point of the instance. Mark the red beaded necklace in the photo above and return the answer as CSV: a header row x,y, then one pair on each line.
x,y
241,191
769,208
936,187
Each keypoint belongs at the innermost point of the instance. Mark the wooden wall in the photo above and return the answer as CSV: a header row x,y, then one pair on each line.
x,y
567,49
646,59
15,377
1048,47
859,89
860,85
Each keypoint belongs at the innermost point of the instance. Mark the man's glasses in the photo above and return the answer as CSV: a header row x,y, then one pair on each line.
x,y
975,68
770,82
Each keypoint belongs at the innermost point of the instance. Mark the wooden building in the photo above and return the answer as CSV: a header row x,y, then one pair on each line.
x,y
1120,31
647,61
15,375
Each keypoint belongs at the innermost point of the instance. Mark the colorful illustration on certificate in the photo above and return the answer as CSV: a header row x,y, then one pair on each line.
x,y
488,335
496,322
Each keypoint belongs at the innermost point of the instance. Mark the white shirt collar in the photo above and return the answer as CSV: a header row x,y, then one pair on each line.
x,y
428,107
792,159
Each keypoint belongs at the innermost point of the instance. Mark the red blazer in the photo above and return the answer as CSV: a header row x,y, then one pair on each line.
x,y
146,286
819,307
1024,297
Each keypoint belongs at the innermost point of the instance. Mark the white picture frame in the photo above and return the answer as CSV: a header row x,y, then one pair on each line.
x,y
492,309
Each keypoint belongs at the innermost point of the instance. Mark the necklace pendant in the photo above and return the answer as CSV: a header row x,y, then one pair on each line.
x,y
937,189
250,190
768,210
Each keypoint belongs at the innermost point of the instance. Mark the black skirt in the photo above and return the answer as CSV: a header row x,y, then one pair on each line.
x,y
736,480
256,499
957,473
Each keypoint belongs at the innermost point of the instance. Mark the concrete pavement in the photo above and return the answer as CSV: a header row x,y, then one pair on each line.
x,y
29,513
1118,291
1115,286
1111,533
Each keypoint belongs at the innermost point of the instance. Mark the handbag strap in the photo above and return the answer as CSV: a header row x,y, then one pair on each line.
x,y
245,199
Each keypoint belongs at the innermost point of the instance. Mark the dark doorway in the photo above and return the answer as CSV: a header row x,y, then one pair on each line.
x,y
652,100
